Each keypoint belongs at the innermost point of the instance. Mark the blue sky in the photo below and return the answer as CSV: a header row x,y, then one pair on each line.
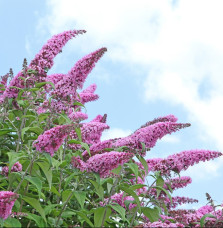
x,y
163,58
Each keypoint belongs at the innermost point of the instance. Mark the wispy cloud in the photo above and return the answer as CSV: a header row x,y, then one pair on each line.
x,y
179,45
115,133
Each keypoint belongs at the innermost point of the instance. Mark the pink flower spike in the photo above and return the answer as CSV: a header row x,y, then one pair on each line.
x,y
51,140
104,163
97,148
78,116
88,94
168,118
17,167
43,61
181,161
84,66
149,135
7,200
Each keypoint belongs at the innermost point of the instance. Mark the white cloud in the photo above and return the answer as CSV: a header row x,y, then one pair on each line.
x,y
180,47
170,139
204,170
115,133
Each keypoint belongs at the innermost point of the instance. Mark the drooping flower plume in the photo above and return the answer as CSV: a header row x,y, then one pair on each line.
x,y
181,161
76,76
51,140
42,62
102,163
17,167
7,200
149,135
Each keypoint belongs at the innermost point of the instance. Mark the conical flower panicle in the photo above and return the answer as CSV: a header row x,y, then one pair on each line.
x,y
7,200
177,200
97,148
178,182
181,161
75,78
43,61
102,163
149,135
51,140
84,66
17,167
91,133
88,95
120,199
168,118
55,78
77,116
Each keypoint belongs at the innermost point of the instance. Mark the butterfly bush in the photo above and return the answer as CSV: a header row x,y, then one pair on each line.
x,y
52,139
17,167
102,163
67,175
7,200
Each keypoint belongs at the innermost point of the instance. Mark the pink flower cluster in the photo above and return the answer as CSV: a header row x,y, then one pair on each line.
x,y
168,118
102,163
88,95
97,148
77,116
181,161
120,199
51,140
177,200
7,200
76,76
160,224
149,135
17,167
91,132
179,182
43,61
193,217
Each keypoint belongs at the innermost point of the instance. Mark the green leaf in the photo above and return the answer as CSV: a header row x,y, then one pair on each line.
x,y
119,209
13,158
202,221
36,205
20,94
86,219
47,171
37,219
151,213
12,222
78,104
99,214
41,84
35,181
99,189
86,147
81,197
144,163
162,189
6,131
65,195
117,170
78,132
69,179
36,130
137,186
160,183
134,168
131,193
